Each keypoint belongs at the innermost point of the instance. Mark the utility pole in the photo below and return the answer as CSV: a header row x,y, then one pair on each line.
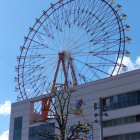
x,y
99,106
101,118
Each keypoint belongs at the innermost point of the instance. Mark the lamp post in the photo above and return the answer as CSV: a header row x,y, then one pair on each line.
x,y
99,106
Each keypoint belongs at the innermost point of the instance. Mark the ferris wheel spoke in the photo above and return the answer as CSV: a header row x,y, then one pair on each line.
x,y
92,5
106,51
109,37
34,47
67,19
56,20
107,60
39,36
31,86
38,78
29,72
39,32
50,64
105,47
102,12
105,44
34,63
97,26
90,66
43,42
87,20
83,17
31,65
37,68
42,89
111,28
94,73
108,18
47,31
76,41
58,34
81,45
52,39
47,87
104,41
32,74
99,36
44,45
82,77
72,39
107,15
41,85
95,43
58,29
49,23
41,45
33,93
69,40
102,64
91,20
37,56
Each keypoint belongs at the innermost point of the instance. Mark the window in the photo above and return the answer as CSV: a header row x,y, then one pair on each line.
x,y
17,128
42,132
138,118
121,101
130,136
122,121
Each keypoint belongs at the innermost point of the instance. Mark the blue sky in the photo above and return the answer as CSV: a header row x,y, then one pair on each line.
x,y
15,19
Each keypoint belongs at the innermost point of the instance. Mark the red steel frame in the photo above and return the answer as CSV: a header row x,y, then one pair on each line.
x,y
70,65
46,101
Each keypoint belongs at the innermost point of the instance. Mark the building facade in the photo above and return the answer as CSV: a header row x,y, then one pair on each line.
x,y
120,104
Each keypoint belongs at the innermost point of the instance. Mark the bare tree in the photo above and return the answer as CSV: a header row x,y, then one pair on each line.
x,y
60,110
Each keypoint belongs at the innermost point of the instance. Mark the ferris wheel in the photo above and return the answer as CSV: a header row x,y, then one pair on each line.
x,y
74,42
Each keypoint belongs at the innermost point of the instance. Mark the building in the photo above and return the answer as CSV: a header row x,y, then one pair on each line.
x,y
120,96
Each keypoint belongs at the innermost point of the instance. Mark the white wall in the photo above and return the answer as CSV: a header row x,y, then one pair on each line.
x,y
90,93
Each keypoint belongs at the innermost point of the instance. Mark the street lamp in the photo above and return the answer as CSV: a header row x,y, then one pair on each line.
x,y
99,107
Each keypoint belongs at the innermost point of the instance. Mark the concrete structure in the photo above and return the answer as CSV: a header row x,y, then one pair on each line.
x,y
120,96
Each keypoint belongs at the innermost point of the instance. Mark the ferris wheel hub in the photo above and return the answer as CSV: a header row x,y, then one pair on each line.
x,y
64,55
61,55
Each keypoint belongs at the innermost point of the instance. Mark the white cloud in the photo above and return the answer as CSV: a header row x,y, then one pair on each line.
x,y
130,65
4,135
5,108
138,61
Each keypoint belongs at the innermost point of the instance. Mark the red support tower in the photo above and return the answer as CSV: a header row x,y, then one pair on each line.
x,y
66,64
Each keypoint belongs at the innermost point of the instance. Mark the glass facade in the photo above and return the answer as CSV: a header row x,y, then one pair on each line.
x,y
122,121
17,128
130,136
42,132
121,101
